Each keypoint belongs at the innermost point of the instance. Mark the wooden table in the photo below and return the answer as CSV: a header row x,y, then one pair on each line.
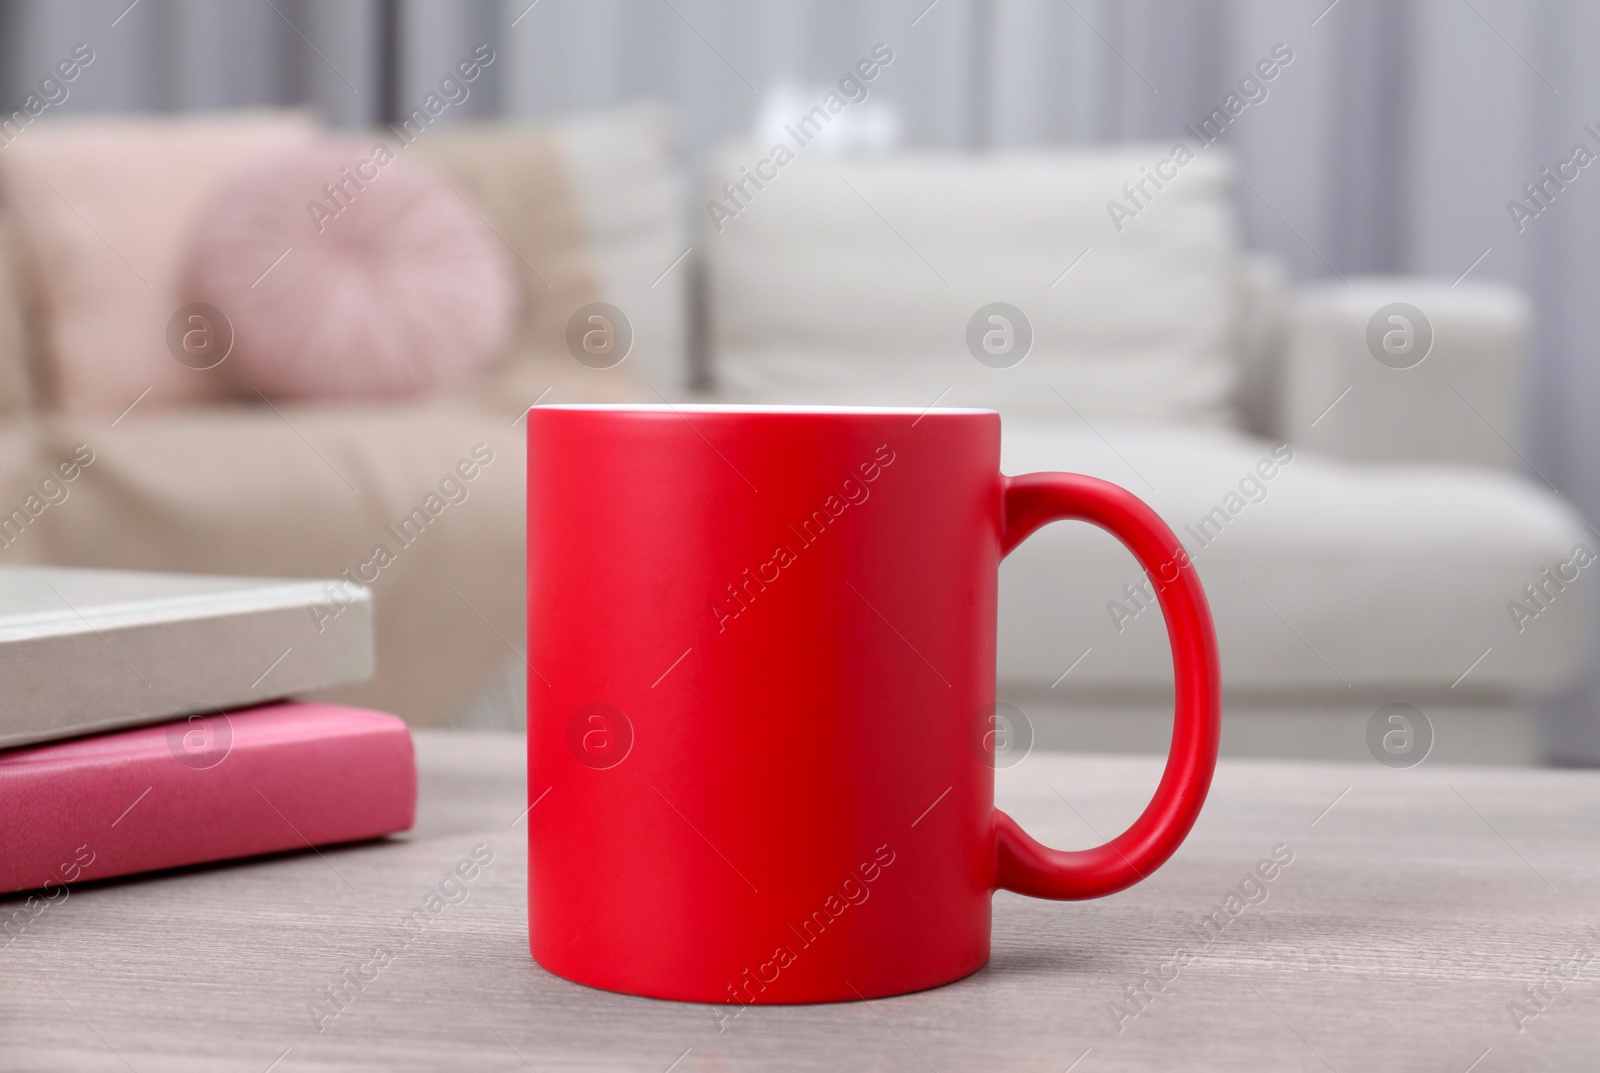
x,y
1419,905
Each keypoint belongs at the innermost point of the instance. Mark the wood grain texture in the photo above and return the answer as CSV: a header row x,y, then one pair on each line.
x,y
1415,910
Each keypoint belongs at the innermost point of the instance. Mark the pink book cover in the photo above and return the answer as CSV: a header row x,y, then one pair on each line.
x,y
207,788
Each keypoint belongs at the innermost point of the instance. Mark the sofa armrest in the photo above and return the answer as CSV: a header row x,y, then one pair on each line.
x,y
1406,369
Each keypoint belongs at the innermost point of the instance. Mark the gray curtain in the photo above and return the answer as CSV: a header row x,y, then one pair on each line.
x,y
1391,143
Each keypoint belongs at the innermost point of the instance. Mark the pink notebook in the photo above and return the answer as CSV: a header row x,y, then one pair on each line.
x,y
211,788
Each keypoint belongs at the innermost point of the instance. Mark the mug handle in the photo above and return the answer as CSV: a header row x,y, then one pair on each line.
x,y
1026,866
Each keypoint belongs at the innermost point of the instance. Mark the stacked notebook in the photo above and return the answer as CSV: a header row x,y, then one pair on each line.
x,y
144,725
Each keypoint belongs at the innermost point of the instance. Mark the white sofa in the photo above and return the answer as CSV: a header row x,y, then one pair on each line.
x,y
1377,564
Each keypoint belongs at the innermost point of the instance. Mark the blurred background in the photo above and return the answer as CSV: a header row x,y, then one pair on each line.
x,y
1311,277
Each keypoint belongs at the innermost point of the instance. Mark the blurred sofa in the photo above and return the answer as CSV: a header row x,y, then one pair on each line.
x,y
233,485
1365,530
1362,529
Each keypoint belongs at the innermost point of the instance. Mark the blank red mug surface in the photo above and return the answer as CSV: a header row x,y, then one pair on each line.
x,y
762,648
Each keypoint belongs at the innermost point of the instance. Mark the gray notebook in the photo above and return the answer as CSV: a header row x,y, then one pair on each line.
x,y
83,651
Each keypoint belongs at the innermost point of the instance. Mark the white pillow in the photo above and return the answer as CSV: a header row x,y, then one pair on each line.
x,y
853,279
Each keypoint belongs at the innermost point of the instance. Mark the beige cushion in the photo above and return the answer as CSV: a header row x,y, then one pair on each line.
x,y
513,177
592,211
106,209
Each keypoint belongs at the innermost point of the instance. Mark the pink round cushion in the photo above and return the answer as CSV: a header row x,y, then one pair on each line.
x,y
347,271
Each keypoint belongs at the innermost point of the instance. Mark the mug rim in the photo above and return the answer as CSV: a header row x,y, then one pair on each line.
x,y
755,408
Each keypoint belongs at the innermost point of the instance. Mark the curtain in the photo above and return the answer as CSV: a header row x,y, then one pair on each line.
x,y
1392,142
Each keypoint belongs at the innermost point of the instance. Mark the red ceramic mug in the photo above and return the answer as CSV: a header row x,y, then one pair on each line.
x,y
758,641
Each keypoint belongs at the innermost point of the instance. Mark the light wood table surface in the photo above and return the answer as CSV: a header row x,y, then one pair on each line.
x,y
1419,905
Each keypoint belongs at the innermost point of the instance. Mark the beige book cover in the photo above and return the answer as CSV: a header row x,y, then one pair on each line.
x,y
83,651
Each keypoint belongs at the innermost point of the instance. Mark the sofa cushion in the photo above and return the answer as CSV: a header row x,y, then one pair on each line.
x,y
397,288
854,280
1325,575
106,209
592,211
